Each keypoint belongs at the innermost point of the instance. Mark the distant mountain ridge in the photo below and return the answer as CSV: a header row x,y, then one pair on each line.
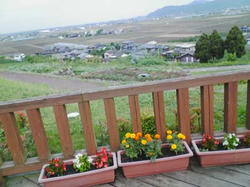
x,y
198,7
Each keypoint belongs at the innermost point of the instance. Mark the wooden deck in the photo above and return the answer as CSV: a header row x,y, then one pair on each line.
x,y
237,175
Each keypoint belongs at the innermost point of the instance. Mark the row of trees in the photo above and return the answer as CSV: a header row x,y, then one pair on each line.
x,y
211,47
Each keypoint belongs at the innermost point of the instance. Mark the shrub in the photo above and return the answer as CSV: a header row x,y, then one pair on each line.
x,y
148,124
231,57
123,126
150,60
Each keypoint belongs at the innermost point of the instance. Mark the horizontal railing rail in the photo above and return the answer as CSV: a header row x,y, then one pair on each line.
x,y
32,107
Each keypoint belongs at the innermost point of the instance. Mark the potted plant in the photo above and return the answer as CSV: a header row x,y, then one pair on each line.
x,y
227,150
146,155
82,171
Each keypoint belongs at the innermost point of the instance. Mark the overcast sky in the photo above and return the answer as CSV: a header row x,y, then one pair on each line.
x,y
22,15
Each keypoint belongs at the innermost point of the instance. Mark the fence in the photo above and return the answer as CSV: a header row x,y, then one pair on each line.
x,y
32,107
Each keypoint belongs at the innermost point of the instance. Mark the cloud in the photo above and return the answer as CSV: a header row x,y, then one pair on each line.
x,y
19,15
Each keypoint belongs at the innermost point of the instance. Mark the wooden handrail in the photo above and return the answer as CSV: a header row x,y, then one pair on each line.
x,y
181,85
126,90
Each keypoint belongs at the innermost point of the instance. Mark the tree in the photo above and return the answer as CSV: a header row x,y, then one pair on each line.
x,y
216,45
235,42
202,49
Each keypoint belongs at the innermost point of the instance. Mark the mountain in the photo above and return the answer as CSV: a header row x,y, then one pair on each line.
x,y
199,7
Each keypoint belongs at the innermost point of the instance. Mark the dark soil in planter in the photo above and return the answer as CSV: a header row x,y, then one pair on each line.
x,y
70,170
165,153
242,145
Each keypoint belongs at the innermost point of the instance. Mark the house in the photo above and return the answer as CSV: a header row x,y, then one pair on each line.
x,y
113,54
184,48
128,45
248,41
186,58
169,54
245,29
19,57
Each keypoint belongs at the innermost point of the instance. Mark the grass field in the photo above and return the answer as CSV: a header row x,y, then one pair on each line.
x,y
18,90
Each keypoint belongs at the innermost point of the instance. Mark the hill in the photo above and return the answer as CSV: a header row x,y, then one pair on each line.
x,y
200,7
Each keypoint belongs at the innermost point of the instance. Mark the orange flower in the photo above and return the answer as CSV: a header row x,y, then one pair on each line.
x,y
137,138
150,154
139,134
157,136
147,136
149,139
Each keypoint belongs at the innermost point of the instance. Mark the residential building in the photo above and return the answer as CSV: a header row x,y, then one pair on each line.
x,y
184,48
19,57
186,58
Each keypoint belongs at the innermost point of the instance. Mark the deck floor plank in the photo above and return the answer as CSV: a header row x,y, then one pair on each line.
x,y
198,179
162,181
223,174
240,168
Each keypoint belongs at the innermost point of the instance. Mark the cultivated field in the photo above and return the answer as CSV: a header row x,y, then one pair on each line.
x,y
162,31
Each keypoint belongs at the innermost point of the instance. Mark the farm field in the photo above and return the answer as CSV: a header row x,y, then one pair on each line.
x,y
163,31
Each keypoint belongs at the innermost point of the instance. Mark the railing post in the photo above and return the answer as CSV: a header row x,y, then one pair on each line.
x,y
114,139
183,112
159,113
64,130
207,110
248,106
38,133
88,131
13,138
230,107
135,113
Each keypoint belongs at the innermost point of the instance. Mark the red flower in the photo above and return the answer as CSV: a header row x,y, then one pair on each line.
x,y
56,165
216,142
209,137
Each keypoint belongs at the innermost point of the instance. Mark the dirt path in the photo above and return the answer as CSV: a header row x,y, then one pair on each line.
x,y
53,82
221,68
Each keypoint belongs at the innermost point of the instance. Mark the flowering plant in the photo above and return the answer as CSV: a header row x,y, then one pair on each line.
x,y
209,143
230,141
103,158
175,140
135,145
82,162
246,139
56,168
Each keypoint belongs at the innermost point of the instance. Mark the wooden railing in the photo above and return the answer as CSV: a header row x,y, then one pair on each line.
x,y
32,107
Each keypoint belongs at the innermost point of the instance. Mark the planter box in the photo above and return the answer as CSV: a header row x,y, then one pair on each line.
x,y
225,157
89,178
161,165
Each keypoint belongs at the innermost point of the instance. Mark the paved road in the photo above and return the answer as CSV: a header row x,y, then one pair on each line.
x,y
53,82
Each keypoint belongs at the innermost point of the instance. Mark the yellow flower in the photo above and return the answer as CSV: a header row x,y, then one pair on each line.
x,y
169,137
143,142
157,136
127,135
132,135
124,141
173,146
181,136
169,132
127,146
150,154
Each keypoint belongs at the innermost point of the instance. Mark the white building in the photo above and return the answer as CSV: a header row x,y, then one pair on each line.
x,y
19,57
